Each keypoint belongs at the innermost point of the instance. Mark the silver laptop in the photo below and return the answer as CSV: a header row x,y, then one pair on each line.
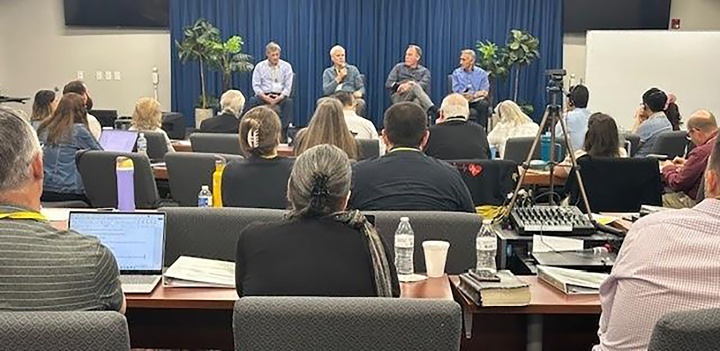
x,y
118,140
137,239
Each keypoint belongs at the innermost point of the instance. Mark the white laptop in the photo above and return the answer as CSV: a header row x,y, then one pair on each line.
x,y
136,239
118,140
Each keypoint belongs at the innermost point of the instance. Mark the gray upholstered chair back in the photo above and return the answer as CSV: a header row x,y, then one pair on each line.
x,y
348,324
189,171
97,170
368,148
517,149
156,145
634,140
671,144
64,331
687,331
458,228
209,232
216,143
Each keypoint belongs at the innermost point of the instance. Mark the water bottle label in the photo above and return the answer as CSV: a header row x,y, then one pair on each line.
x,y
404,241
486,244
204,201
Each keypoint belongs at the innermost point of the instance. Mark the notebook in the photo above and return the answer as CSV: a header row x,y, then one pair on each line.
x,y
136,239
118,140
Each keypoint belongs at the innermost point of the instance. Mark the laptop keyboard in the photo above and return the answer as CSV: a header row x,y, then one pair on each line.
x,y
137,279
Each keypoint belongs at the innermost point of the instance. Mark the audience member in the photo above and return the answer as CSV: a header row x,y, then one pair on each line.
x,y
410,81
576,119
272,82
261,179
62,135
80,88
672,111
344,77
512,123
45,269
405,178
453,137
44,104
601,140
650,120
147,117
231,108
683,176
327,126
330,252
472,82
360,128
668,262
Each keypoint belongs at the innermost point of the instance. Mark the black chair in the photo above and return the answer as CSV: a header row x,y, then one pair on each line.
x,y
209,232
97,170
671,144
489,181
634,140
368,148
517,149
697,330
123,123
174,124
105,117
216,143
616,184
156,145
189,171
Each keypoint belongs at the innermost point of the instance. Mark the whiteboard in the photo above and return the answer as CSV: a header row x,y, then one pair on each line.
x,y
622,65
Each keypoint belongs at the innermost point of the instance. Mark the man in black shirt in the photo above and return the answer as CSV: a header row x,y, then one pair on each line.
x,y
405,178
453,137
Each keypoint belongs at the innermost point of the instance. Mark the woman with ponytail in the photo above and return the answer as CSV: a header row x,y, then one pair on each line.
x,y
260,180
319,249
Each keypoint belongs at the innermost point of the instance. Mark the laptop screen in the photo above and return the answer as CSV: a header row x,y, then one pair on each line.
x,y
118,140
136,239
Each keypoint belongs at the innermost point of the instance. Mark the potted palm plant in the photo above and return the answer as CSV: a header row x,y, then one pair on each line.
x,y
522,49
198,44
228,57
493,60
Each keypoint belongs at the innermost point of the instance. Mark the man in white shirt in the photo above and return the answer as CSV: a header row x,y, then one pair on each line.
x,y
80,88
360,127
668,262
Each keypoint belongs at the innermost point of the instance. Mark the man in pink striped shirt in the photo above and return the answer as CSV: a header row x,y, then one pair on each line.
x,y
669,261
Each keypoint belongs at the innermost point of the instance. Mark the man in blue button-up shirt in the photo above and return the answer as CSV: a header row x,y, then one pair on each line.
x,y
342,76
472,82
576,119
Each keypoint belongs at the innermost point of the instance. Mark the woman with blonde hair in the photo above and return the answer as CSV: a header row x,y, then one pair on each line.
x,y
147,117
260,180
328,126
512,123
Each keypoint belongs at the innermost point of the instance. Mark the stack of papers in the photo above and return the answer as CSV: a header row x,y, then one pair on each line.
x,y
200,273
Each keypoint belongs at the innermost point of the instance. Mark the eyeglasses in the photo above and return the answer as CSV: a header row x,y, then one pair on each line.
x,y
688,135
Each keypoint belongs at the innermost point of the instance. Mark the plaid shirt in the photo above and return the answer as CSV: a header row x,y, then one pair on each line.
x,y
669,261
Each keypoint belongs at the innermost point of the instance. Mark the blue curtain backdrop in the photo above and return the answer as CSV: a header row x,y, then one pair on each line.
x,y
375,34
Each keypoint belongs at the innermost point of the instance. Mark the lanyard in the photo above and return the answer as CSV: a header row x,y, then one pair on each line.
x,y
404,149
23,215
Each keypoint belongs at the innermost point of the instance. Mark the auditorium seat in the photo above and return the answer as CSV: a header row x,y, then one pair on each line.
x,y
156,145
174,124
189,171
634,140
697,330
671,144
518,148
209,232
458,228
368,148
489,181
348,324
216,143
64,331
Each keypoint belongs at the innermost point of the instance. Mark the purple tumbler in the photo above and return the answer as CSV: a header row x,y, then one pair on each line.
x,y
124,170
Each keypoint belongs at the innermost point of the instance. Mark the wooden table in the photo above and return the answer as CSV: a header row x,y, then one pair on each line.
x,y
540,178
553,319
185,146
199,318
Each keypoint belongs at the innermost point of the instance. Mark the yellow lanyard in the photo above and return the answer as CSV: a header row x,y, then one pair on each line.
x,y
23,215
405,149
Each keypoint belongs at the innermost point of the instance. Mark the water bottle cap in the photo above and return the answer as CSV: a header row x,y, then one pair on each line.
x,y
487,221
142,135
404,219
205,187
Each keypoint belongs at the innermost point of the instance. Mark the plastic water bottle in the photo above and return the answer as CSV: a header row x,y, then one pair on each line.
x,y
142,144
290,133
124,171
205,197
404,247
486,248
217,182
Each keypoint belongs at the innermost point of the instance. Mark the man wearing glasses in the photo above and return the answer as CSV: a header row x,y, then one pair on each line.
x,y
683,176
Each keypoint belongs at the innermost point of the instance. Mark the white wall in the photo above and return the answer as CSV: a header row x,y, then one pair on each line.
x,y
39,52
693,14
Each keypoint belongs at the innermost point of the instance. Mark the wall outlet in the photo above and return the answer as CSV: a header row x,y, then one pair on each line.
x,y
98,75
116,75
108,75
80,75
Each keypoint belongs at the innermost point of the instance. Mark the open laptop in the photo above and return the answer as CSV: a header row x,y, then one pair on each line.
x,y
137,239
118,140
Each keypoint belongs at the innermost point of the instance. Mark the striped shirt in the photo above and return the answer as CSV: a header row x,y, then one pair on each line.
x,y
42,268
669,261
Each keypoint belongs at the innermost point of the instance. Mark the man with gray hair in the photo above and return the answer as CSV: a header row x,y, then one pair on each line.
x,y
272,83
44,269
472,82
342,76
453,137
410,81
231,108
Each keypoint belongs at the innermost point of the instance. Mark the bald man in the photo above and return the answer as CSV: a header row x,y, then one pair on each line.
x,y
683,176
453,137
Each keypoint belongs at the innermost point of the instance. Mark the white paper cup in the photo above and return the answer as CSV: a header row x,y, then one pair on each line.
x,y
435,257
